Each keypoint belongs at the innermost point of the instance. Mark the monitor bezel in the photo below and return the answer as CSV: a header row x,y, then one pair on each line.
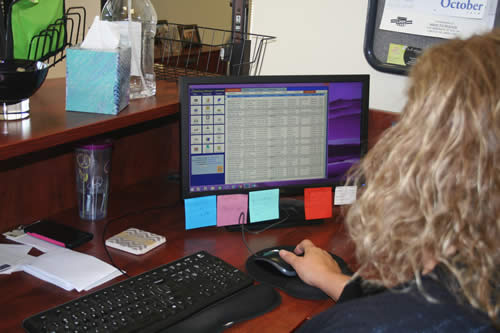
x,y
288,190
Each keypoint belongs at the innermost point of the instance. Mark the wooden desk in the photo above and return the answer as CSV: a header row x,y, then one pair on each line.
x,y
24,295
36,154
37,180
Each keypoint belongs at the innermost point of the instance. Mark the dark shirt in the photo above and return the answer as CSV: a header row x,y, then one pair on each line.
x,y
388,311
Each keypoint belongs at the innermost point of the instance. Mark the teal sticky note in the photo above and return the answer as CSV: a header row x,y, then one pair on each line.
x,y
264,205
200,212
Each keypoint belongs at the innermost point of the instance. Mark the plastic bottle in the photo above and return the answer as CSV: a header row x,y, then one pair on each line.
x,y
143,15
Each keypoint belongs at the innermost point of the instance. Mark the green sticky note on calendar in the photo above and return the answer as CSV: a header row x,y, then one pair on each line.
x,y
264,205
200,212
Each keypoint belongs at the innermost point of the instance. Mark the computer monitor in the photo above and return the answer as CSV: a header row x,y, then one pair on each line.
x,y
245,133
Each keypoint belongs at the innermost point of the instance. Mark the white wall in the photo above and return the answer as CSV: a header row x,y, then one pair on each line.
x,y
322,37
205,13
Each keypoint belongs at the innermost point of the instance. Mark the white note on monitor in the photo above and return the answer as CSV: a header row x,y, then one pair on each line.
x,y
344,195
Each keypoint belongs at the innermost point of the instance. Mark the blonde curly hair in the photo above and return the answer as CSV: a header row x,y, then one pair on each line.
x,y
433,180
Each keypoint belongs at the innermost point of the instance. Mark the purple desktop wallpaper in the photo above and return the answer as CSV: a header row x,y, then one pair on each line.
x,y
344,125
344,119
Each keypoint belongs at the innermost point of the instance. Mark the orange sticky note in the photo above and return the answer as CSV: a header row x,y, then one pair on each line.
x,y
318,202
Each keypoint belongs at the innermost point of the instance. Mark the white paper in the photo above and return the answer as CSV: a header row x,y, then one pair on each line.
x,y
439,18
102,35
14,255
105,279
47,277
345,195
71,269
37,243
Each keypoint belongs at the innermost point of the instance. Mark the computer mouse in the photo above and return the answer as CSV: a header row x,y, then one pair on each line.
x,y
272,257
267,273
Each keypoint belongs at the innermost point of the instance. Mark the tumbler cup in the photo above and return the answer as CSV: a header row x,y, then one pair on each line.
x,y
93,164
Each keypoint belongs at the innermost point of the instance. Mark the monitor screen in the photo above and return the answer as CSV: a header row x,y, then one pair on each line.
x,y
240,134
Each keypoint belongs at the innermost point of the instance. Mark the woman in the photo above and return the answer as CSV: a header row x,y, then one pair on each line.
x,y
427,225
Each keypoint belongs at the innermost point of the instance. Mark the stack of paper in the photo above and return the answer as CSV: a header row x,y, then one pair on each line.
x,y
13,257
60,266
71,270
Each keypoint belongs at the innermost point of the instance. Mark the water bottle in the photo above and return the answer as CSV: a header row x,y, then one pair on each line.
x,y
137,30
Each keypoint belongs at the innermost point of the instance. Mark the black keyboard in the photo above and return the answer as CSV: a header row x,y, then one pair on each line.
x,y
148,302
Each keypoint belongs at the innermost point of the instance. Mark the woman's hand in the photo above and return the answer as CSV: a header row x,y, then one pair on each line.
x,y
317,268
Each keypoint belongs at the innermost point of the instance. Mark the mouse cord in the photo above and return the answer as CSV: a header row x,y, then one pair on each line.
x,y
241,222
134,212
104,242
242,216
256,232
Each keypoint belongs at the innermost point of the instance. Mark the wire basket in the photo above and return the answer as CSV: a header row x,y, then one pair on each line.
x,y
50,44
191,50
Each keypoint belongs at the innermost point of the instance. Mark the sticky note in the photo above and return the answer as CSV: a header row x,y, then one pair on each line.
x,y
318,203
345,195
264,205
395,55
230,207
200,212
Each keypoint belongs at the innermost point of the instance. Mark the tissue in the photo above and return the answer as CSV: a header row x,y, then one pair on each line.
x,y
110,35
102,35
98,72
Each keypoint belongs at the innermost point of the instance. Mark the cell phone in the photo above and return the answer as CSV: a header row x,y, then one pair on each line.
x,y
58,234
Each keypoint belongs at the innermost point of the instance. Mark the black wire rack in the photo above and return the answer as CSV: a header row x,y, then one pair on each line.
x,y
21,77
49,46
191,50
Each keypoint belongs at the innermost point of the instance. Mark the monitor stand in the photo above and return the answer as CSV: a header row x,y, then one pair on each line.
x,y
291,214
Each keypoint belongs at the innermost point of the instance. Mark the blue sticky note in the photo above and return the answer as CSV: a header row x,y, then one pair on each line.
x,y
200,212
264,205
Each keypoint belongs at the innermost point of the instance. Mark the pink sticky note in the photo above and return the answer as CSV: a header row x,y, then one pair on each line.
x,y
229,208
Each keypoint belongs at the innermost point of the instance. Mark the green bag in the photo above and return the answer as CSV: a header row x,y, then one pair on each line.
x,y
38,20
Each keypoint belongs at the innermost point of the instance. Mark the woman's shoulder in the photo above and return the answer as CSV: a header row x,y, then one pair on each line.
x,y
406,310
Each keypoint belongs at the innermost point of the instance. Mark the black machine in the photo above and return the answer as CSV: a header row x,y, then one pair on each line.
x,y
245,133
200,292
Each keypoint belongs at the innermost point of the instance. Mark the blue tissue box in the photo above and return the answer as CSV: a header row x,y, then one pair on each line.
x,y
97,81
